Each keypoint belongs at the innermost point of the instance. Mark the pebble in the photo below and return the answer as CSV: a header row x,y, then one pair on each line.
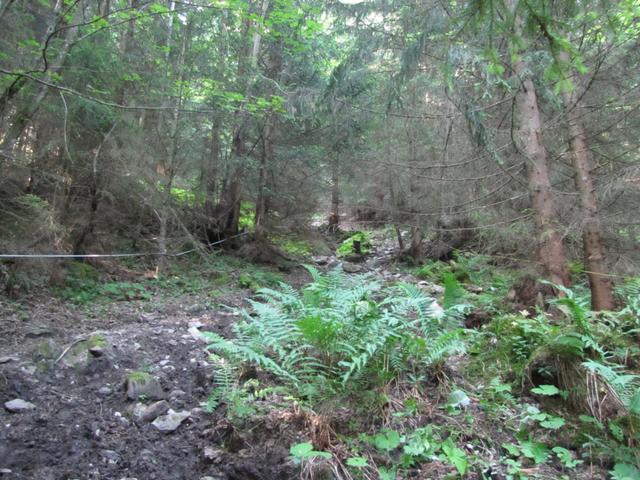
x,y
18,406
104,391
111,456
171,421
351,267
145,385
175,394
148,413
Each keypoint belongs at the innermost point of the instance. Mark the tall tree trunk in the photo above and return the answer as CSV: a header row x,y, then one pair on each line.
x,y
334,216
168,169
231,200
265,161
551,253
593,247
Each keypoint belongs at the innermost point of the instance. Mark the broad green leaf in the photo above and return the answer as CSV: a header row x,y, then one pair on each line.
x,y
536,451
548,390
553,423
386,440
456,456
357,462
634,404
625,471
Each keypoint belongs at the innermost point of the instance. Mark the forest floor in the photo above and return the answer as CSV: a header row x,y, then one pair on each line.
x,y
76,358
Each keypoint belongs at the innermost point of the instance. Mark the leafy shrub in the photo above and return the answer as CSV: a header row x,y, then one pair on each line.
x,y
247,216
340,333
347,247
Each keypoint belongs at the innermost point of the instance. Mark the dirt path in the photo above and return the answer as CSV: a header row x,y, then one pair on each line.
x,y
83,426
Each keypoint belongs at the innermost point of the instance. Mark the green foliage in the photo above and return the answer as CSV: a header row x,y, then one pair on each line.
x,y
293,246
255,279
247,215
336,336
347,246
304,451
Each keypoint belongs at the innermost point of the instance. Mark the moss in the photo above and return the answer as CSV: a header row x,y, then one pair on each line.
x,y
293,246
139,377
347,247
220,279
96,341
81,271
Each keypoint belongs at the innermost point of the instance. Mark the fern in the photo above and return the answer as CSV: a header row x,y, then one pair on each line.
x,y
339,333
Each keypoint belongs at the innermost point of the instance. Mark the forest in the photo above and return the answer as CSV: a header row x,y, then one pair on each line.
x,y
303,239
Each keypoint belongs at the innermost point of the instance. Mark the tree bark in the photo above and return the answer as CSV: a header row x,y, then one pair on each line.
x,y
593,247
265,160
550,248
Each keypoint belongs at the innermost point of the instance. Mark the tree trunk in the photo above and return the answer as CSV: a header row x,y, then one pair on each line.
x,y
265,160
593,248
415,249
551,253
334,216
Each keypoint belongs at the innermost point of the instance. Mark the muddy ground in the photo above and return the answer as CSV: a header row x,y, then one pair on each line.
x,y
72,363
83,425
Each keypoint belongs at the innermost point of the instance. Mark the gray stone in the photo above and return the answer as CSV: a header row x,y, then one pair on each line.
x,y
434,289
148,413
171,421
197,334
141,384
320,260
40,331
351,267
111,456
213,455
104,391
195,323
176,394
96,351
18,406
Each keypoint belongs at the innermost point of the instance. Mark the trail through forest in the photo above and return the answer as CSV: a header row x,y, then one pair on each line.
x,y
119,389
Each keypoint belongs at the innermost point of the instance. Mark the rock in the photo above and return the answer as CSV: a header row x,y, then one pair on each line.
x,y
351,267
148,413
176,394
320,260
195,323
29,369
474,289
213,454
96,351
197,334
104,391
47,350
141,384
18,406
171,421
40,331
7,360
111,456
434,289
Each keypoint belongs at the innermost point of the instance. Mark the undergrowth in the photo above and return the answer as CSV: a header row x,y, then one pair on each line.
x,y
340,335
